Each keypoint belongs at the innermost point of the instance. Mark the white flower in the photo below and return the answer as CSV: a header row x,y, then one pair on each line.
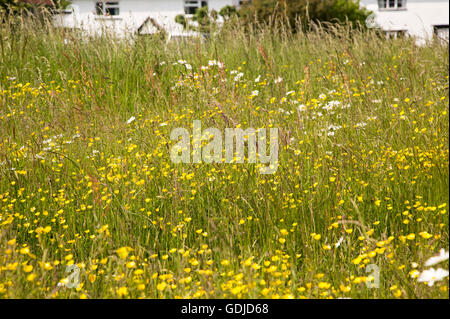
x,y
214,62
339,242
255,93
334,127
360,125
258,79
163,124
443,255
322,96
238,77
278,80
331,105
432,275
131,119
302,107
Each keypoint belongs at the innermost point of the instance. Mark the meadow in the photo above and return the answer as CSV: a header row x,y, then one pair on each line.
x,y
91,205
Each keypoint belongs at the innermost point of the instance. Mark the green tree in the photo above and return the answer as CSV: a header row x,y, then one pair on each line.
x,y
206,19
303,11
13,6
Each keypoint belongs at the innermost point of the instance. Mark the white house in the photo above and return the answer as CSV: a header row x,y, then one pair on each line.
x,y
423,19
124,17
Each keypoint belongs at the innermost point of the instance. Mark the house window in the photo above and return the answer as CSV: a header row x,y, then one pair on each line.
x,y
191,6
442,32
395,34
107,8
392,4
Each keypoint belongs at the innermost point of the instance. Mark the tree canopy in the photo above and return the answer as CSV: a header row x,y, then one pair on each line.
x,y
303,11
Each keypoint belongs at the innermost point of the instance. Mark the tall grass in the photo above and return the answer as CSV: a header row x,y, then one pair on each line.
x,y
362,177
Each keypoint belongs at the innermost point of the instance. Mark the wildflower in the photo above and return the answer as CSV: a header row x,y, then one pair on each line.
x,y
278,80
131,119
339,242
284,232
131,264
254,93
31,277
122,291
27,268
324,285
238,77
123,252
430,276
161,286
443,255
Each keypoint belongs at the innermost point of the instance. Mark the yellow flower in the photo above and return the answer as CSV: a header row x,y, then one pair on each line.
x,y
122,252
24,250
161,286
284,232
92,278
324,285
425,235
397,293
31,277
122,291
47,266
225,262
411,236
28,268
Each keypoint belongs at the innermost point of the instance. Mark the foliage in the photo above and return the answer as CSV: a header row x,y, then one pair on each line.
x,y
305,11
